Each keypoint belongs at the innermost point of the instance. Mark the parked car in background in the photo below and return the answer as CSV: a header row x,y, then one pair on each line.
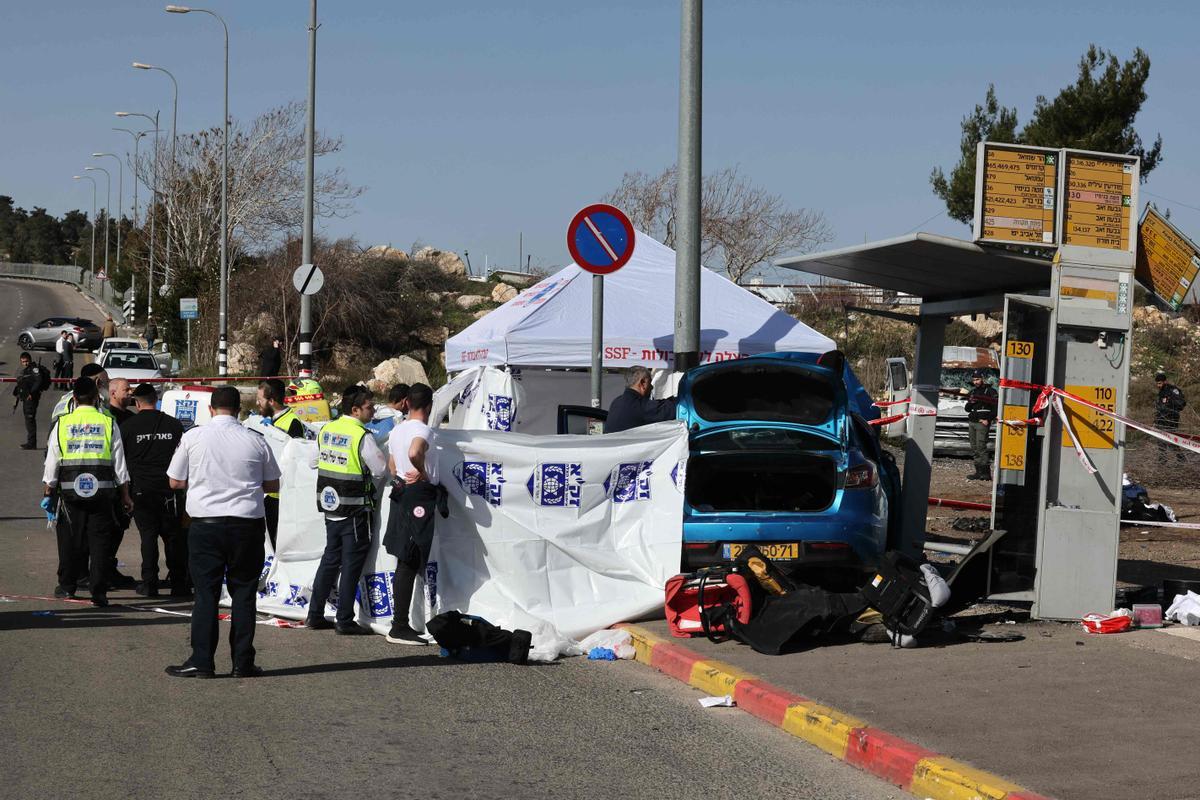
x,y
43,335
781,457
133,365
951,431
118,343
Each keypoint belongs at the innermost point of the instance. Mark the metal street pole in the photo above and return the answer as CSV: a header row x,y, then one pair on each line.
x,y
107,211
120,197
222,343
171,176
137,138
153,197
93,180
687,198
597,338
306,366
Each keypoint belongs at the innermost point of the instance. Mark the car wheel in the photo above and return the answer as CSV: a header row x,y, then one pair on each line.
x,y
25,341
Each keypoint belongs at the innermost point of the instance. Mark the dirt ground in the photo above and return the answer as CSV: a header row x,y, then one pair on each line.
x,y
1148,555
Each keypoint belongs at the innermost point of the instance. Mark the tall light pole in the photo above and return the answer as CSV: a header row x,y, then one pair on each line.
x,y
137,138
306,256
120,197
153,197
687,195
223,340
171,176
93,180
107,210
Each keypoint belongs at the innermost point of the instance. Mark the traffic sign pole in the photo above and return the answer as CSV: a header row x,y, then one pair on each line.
x,y
601,240
597,337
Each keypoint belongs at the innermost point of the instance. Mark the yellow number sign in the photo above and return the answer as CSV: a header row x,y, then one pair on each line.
x,y
1094,430
1017,349
1013,440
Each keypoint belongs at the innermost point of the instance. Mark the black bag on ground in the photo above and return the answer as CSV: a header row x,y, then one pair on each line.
x,y
898,593
471,638
785,623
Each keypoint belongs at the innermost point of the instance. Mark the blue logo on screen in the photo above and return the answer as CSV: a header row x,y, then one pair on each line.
x,y
629,483
499,412
556,485
482,479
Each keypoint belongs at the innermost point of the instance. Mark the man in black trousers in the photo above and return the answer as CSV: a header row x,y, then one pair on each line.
x,y
225,469
150,438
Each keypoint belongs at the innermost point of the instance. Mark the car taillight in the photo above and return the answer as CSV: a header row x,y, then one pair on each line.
x,y
860,477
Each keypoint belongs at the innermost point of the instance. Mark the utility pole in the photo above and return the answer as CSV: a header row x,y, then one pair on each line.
x,y
306,366
687,198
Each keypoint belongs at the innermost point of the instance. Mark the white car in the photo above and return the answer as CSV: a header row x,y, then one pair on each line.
x,y
133,365
118,343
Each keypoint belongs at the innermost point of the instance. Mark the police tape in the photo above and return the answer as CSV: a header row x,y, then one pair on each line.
x,y
227,379
914,410
1191,526
1052,397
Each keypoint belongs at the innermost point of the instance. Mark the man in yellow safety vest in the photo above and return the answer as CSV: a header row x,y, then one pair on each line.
x,y
348,462
85,465
271,405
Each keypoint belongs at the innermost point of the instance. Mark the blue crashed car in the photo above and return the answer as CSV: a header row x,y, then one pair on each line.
x,y
782,458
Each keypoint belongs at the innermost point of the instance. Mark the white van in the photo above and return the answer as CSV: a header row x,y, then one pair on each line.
x,y
958,363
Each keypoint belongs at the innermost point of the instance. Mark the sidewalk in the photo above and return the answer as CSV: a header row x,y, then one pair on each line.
x,y
1062,713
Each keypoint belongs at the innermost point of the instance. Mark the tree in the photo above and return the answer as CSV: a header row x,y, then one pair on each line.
x,y
742,226
1096,112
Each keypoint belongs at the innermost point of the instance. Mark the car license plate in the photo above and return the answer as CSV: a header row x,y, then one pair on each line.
x,y
775,552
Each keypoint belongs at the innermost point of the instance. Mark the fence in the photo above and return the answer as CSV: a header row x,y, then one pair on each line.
x,y
79,277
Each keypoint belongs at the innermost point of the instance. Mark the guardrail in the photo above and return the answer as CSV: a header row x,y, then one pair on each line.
x,y
80,277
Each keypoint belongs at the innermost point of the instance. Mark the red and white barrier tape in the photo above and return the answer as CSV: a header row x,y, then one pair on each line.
x,y
226,379
914,410
1052,396
1191,526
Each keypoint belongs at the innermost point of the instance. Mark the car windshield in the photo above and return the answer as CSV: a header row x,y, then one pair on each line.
x,y
129,361
766,392
960,377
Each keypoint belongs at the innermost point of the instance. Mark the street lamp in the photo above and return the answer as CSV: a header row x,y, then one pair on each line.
x,y
223,328
120,197
154,195
137,138
171,177
107,209
93,180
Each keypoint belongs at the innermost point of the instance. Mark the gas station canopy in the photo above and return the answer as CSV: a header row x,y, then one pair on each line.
x,y
928,266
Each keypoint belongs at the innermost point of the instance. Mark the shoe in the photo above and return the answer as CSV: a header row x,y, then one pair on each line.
x,y
405,635
252,671
188,671
146,590
29,447
352,629
120,581
100,601
64,594
318,623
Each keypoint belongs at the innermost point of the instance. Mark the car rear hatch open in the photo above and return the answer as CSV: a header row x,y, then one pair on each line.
x,y
767,435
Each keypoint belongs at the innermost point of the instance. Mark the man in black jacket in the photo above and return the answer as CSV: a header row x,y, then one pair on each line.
x,y
28,392
270,360
634,407
981,413
149,438
1166,410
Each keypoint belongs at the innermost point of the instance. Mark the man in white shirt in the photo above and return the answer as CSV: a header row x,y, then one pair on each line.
x,y
348,462
414,498
226,469
65,347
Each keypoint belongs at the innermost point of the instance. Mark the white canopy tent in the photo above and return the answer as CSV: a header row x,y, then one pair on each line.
x,y
549,324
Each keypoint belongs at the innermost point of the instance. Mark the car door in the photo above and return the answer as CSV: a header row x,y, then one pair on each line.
x,y
898,388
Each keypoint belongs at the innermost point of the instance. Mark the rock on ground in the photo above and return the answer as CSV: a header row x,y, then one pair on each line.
x,y
444,260
502,293
243,359
400,369
469,301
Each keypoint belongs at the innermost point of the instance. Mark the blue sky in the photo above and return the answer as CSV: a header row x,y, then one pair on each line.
x,y
469,122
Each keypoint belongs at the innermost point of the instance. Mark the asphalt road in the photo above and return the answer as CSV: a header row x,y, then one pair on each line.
x,y
86,710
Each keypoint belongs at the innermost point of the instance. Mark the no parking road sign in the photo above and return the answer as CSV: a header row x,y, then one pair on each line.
x,y
600,238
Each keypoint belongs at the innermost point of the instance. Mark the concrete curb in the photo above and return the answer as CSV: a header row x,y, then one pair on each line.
x,y
915,769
